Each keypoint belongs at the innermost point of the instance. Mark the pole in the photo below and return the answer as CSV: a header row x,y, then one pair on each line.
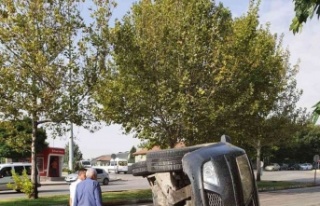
x,y
71,148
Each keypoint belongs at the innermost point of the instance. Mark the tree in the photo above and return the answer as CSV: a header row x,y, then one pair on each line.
x,y
131,157
194,76
15,139
77,154
272,116
316,112
50,60
304,9
162,83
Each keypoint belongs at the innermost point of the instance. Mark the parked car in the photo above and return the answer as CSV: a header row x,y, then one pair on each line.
x,y
102,177
17,167
272,167
284,166
294,167
306,166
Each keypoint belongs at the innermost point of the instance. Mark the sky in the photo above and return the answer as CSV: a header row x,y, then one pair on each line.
x,y
304,48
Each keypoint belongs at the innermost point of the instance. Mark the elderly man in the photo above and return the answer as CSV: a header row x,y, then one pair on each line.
x,y
81,177
88,192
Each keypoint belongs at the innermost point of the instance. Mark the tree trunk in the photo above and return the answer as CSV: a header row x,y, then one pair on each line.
x,y
34,172
259,172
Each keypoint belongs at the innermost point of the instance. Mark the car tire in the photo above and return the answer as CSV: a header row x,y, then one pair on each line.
x,y
105,181
140,169
170,159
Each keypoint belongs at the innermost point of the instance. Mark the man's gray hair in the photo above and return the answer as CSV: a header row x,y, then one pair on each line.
x,y
91,172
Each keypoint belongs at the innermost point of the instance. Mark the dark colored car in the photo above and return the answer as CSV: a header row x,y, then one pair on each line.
x,y
216,174
284,166
294,167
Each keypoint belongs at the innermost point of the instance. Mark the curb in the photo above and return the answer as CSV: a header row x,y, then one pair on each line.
x,y
50,183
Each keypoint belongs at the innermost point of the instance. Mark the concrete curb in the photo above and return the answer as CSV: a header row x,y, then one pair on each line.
x,y
47,183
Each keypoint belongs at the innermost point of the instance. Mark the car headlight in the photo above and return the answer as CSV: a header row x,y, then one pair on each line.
x,y
209,174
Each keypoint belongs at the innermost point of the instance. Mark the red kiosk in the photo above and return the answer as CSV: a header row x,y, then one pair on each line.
x,y
50,162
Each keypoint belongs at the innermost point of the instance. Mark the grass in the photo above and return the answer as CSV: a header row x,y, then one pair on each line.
x,y
278,185
109,198
134,196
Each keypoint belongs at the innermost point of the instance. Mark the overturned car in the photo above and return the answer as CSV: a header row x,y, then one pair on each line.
x,y
216,174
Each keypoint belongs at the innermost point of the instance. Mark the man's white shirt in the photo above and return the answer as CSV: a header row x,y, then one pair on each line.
x,y
73,188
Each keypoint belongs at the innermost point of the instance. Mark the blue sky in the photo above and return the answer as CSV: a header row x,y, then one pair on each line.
x,y
303,46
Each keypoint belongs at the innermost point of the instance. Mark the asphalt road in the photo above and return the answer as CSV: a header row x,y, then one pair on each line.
x,y
293,197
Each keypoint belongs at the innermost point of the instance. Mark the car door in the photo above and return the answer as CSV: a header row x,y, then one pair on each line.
x,y
5,177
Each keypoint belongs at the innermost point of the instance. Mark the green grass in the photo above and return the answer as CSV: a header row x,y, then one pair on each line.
x,y
109,198
278,185
133,196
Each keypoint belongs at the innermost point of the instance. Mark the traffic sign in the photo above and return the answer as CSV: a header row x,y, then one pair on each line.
x,y
316,158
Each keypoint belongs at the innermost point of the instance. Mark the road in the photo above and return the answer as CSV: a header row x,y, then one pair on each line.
x,y
293,197
126,182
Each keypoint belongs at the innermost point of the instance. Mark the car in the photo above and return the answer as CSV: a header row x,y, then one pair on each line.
x,y
294,167
102,177
18,167
284,166
306,166
212,174
272,167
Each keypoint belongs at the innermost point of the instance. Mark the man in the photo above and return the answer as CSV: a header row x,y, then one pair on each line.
x,y
81,177
88,192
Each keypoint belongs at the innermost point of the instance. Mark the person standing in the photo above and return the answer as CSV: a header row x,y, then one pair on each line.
x,y
88,192
81,177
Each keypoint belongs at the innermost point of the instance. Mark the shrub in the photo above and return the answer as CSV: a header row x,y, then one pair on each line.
x,y
21,183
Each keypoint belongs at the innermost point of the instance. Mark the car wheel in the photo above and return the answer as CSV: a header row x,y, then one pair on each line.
x,y
105,181
169,160
140,169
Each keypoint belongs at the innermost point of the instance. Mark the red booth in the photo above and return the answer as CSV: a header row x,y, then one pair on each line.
x,y
50,162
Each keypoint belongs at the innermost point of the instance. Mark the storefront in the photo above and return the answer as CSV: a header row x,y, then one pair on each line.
x,y
50,162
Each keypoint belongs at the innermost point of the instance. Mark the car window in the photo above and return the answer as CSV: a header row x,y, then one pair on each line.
x,y
18,170
28,168
99,171
6,172
123,163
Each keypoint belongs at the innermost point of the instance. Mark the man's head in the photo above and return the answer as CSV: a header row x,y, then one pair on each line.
x,y
82,174
91,173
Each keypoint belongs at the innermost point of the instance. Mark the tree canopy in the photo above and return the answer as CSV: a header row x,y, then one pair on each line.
x,y
50,60
187,71
304,10
15,139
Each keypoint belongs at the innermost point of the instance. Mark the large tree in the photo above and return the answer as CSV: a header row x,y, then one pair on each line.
x,y
15,139
186,71
50,60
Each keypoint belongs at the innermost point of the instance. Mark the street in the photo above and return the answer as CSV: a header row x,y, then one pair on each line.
x,y
293,197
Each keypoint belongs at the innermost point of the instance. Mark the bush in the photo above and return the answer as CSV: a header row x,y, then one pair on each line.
x,y
21,183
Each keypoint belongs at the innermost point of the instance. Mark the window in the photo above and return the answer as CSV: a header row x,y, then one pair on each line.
x,y
6,172
122,163
18,170
99,171
28,168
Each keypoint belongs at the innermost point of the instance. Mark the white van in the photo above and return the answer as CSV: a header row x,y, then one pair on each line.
x,y
118,166
6,173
